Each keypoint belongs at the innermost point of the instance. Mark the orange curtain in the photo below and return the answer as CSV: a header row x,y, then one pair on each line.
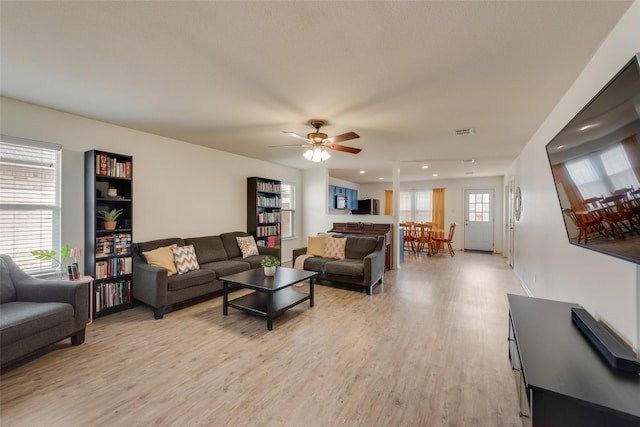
x,y
438,210
388,202
632,149
571,190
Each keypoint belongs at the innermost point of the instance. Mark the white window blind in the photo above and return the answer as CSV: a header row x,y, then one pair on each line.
x,y
29,200
287,200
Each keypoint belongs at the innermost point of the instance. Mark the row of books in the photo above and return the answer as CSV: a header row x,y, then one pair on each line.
x,y
113,244
112,294
113,267
268,187
269,217
271,241
269,202
110,166
267,230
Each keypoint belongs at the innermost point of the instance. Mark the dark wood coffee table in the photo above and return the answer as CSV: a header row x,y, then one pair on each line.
x,y
272,296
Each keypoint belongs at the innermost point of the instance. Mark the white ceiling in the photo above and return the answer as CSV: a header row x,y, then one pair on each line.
x,y
233,74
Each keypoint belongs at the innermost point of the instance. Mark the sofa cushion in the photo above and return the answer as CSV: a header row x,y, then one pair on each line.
x,y
7,291
162,257
185,259
208,248
316,263
21,319
192,278
334,247
359,247
226,268
345,267
231,244
247,246
254,260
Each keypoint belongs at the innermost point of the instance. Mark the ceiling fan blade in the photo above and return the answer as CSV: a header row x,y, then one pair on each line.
x,y
295,135
344,137
345,149
289,145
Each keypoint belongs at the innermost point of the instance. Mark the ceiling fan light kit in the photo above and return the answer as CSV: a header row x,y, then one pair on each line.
x,y
317,155
318,142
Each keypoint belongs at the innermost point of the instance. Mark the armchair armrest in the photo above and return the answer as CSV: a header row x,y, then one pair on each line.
x,y
150,284
297,253
74,293
266,250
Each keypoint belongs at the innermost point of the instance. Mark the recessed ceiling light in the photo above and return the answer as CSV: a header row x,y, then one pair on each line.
x,y
469,161
361,171
585,127
425,167
559,147
381,178
435,174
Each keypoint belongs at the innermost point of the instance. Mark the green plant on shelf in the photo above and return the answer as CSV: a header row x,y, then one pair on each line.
x,y
270,261
109,216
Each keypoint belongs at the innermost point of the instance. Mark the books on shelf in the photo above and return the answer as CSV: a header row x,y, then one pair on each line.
x,y
267,230
269,202
113,244
111,294
110,166
268,187
267,217
113,267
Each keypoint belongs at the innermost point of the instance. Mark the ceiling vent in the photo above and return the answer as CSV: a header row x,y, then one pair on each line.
x,y
468,131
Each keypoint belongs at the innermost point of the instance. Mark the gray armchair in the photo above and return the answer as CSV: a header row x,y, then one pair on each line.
x,y
35,313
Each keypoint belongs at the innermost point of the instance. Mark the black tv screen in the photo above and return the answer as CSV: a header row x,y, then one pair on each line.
x,y
595,161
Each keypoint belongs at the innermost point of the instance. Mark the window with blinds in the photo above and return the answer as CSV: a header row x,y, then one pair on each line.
x,y
29,201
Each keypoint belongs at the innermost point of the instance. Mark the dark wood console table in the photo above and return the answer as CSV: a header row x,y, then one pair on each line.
x,y
562,380
367,228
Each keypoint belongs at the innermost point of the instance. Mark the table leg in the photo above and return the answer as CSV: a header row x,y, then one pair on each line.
x,y
225,298
270,311
310,291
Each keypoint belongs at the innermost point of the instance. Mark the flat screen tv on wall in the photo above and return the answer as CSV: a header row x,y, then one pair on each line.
x,y
595,161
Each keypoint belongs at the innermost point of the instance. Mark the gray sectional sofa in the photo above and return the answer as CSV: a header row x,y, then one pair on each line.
x,y
35,313
363,265
217,256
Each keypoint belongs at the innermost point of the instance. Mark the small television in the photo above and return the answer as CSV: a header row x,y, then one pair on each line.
x,y
595,162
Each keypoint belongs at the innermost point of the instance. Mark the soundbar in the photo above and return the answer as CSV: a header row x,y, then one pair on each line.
x,y
615,352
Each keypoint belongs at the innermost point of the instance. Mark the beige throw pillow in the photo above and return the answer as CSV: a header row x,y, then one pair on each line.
x,y
163,258
334,247
247,246
315,246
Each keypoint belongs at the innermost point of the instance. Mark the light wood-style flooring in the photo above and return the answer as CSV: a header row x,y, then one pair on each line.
x,y
430,350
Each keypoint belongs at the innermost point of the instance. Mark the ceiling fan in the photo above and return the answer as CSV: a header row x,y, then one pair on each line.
x,y
318,142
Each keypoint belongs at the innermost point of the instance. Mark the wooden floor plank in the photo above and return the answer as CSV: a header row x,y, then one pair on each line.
x,y
429,350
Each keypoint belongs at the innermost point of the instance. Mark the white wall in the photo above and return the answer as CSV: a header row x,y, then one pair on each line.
x,y
543,259
179,189
454,203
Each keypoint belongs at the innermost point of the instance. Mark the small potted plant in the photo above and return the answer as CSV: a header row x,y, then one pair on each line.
x,y
109,218
269,265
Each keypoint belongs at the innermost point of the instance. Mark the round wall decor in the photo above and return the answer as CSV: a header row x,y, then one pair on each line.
x,y
517,203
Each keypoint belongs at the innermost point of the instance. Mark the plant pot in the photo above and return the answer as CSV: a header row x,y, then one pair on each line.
x,y
269,271
110,225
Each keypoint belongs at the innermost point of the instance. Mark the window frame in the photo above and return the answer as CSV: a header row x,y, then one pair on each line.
x,y
290,210
17,248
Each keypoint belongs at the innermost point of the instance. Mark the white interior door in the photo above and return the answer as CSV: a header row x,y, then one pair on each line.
x,y
478,221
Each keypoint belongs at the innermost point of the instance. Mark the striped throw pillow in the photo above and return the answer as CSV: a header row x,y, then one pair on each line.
x,y
185,259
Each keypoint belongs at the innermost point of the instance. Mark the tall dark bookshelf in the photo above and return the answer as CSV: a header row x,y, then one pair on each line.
x,y
108,185
264,214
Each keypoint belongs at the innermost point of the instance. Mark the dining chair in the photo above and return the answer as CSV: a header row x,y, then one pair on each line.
x,y
439,242
423,237
409,236
586,225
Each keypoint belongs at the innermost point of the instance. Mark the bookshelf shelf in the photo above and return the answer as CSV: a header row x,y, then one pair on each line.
x,y
264,211
108,186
